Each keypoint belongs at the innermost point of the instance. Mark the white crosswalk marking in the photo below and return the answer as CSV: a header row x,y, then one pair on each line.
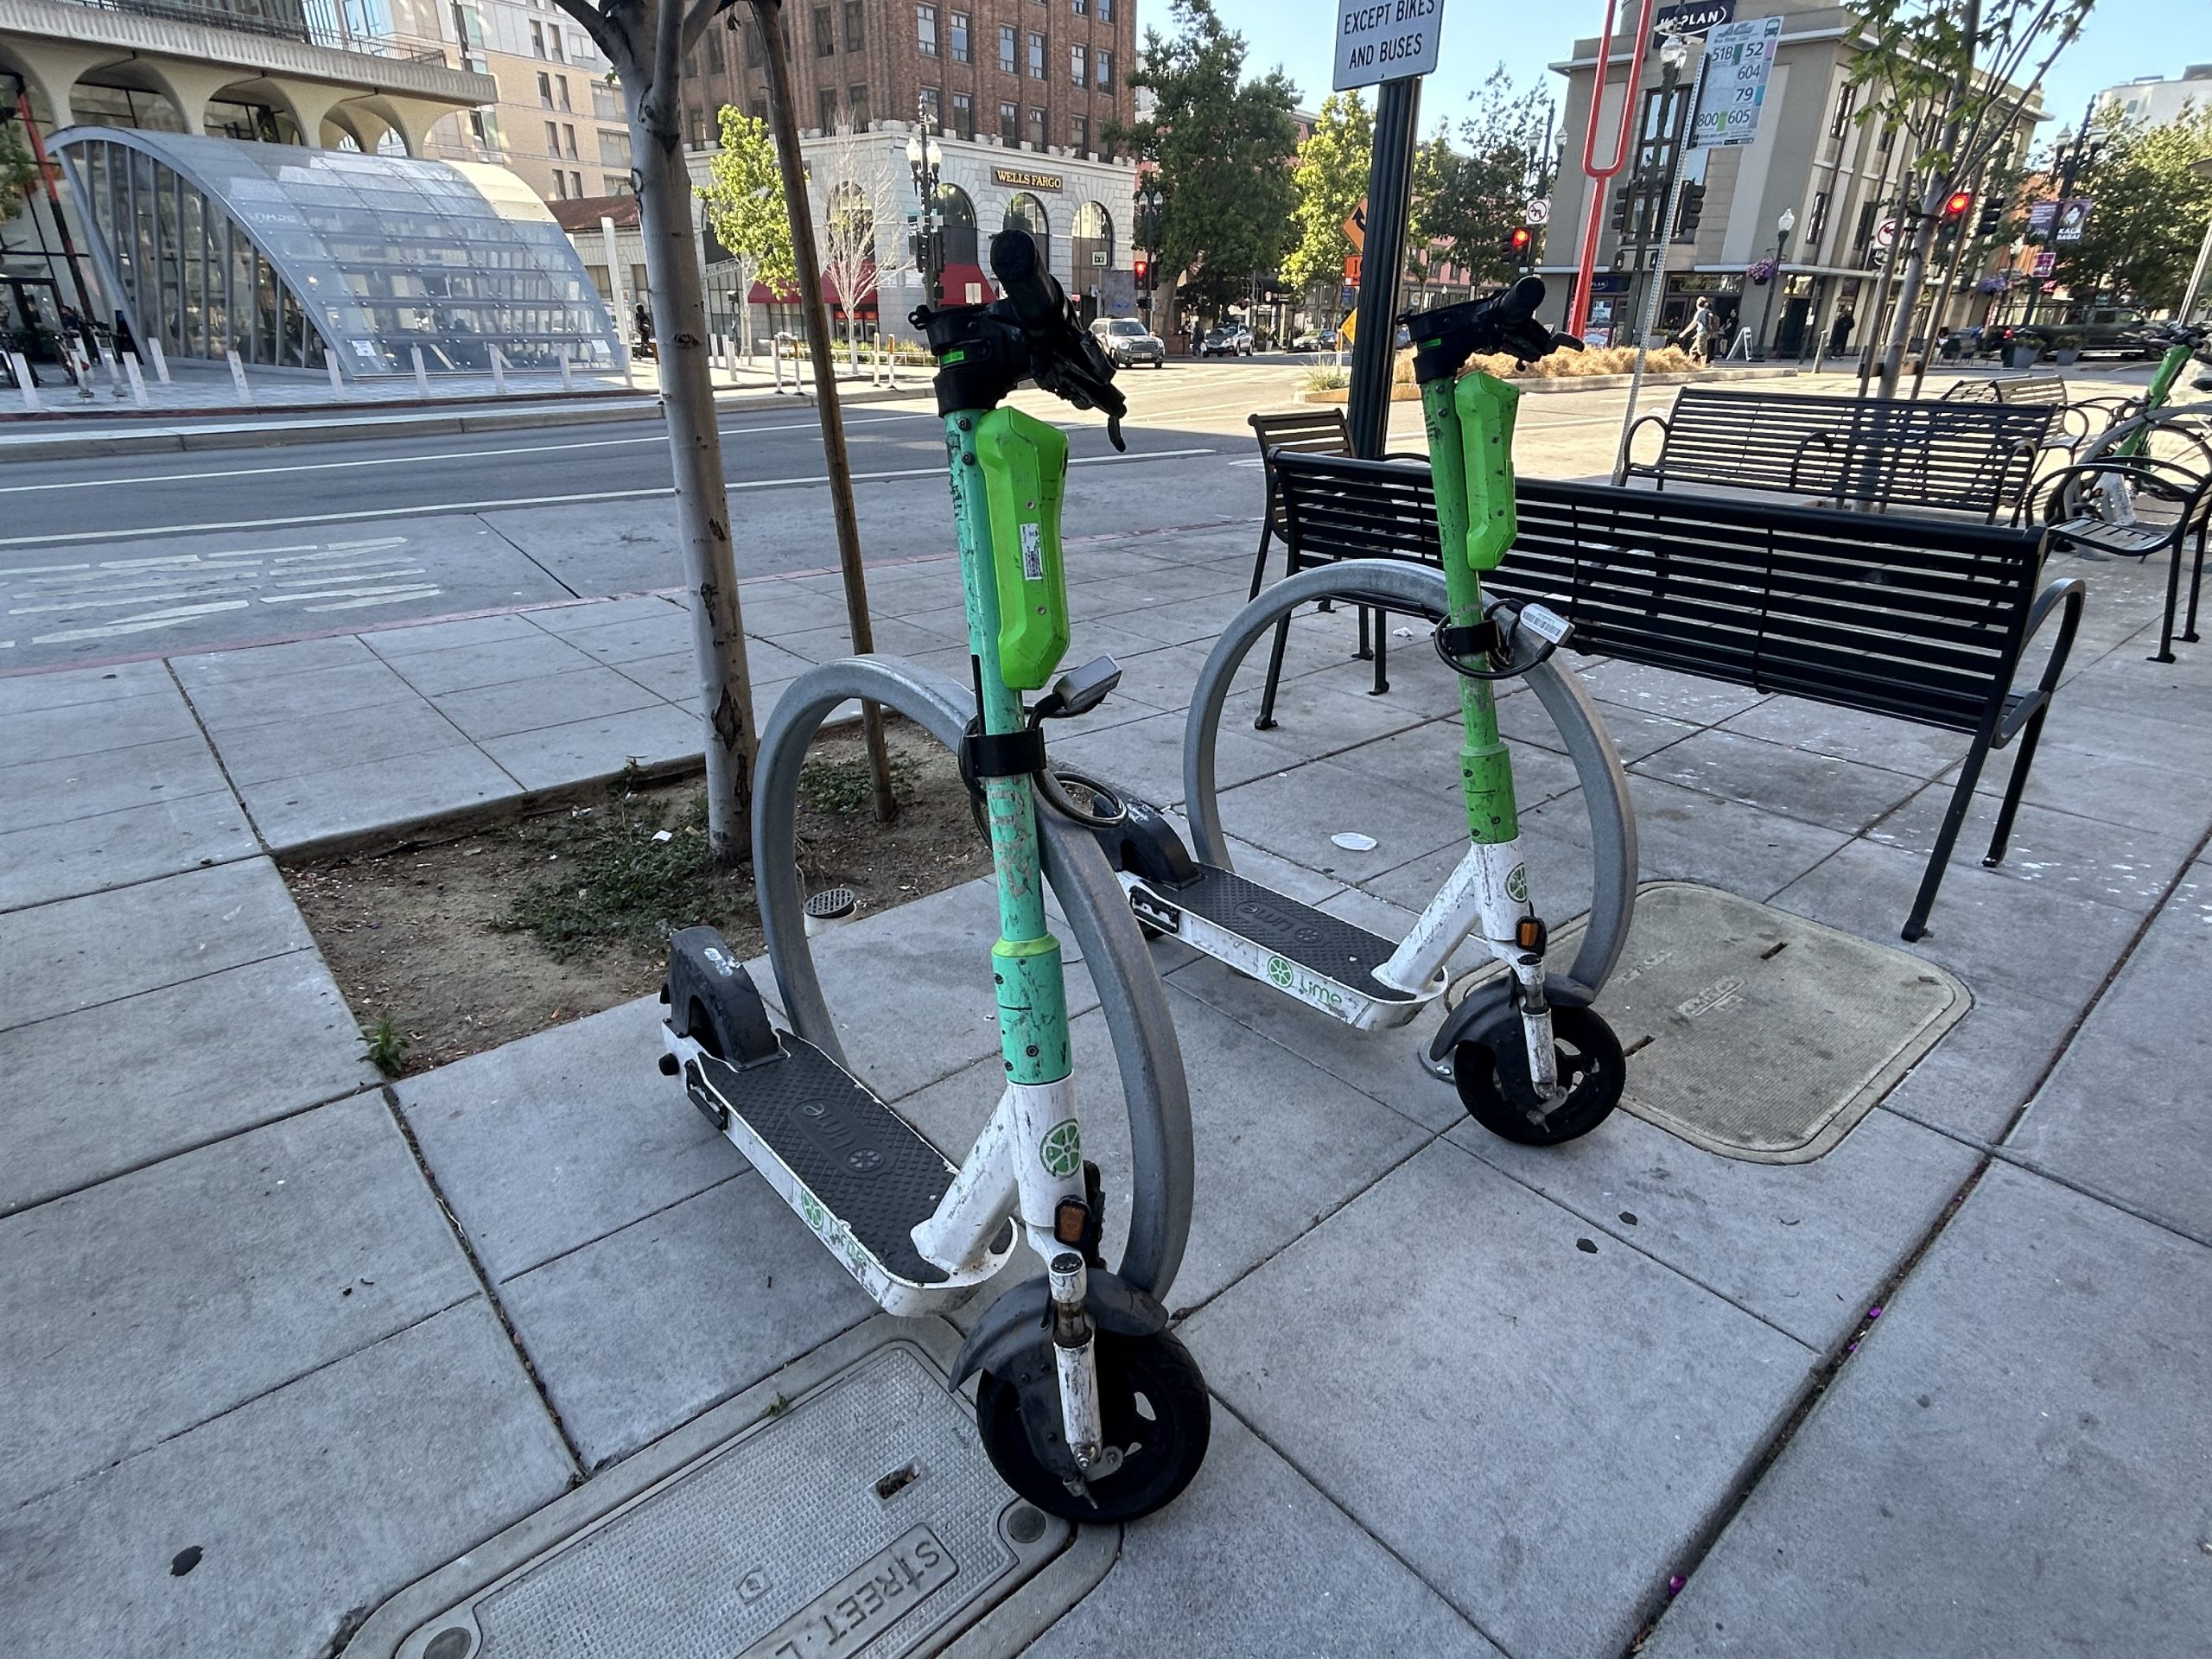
x,y
171,590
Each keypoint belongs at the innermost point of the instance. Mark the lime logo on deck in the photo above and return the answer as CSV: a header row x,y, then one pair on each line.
x,y
1062,1148
1279,972
1516,885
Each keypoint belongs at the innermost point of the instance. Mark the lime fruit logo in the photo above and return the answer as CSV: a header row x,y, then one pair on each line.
x,y
1062,1148
1279,971
1516,885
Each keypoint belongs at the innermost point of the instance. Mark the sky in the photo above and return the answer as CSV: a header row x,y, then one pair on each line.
x,y
2123,39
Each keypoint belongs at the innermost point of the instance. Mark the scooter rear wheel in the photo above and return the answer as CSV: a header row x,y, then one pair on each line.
x,y
1152,1404
1495,1086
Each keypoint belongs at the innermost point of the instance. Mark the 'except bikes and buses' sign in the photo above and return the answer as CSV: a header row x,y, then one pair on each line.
x,y
1019,178
1385,40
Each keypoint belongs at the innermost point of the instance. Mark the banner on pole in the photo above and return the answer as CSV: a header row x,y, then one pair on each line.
x,y
1739,57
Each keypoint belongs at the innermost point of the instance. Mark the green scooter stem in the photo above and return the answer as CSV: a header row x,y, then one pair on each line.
x,y
1485,765
1026,961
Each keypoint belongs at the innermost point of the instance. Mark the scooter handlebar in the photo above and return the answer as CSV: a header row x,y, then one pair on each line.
x,y
1036,298
1062,359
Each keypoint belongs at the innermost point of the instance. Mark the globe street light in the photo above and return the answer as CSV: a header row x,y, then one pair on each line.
x,y
926,161
1783,226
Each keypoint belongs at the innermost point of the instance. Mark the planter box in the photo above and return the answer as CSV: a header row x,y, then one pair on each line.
x,y
2066,357
2022,357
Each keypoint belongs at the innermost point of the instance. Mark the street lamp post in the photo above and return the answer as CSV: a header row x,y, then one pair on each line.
x,y
926,161
1673,53
1783,226
1146,201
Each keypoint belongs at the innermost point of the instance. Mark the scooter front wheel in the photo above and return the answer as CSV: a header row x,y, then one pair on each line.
x,y
1152,1406
1496,1088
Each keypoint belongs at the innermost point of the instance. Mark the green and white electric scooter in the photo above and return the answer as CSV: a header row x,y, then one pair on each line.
x,y
1087,1406
1531,1059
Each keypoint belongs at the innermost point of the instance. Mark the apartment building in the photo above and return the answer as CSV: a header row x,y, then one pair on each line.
x,y
1839,180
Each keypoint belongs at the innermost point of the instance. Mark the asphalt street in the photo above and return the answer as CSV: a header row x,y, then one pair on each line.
x,y
161,553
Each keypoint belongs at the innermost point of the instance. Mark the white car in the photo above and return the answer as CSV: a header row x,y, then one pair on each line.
x,y
1128,342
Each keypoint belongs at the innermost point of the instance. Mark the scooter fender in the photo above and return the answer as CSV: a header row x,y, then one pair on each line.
x,y
1023,1318
1491,1017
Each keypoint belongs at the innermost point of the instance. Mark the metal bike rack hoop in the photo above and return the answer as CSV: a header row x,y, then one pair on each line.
x,y
1418,589
1114,951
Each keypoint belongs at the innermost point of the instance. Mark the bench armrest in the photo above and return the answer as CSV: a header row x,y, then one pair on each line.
x,y
1406,454
1797,460
2068,592
1629,466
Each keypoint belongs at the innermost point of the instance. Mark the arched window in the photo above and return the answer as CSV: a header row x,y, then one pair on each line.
x,y
1025,213
1091,247
958,215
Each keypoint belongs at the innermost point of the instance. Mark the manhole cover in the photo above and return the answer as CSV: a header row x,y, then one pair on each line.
x,y
862,1520
1757,1034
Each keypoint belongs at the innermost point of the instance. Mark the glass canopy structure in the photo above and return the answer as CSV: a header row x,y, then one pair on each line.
x,y
281,254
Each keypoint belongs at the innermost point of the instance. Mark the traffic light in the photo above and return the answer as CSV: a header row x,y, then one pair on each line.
x,y
1954,207
1143,270
1516,244
1620,210
1992,219
1692,210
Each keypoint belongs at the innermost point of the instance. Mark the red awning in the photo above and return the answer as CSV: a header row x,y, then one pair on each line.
x,y
763,294
957,281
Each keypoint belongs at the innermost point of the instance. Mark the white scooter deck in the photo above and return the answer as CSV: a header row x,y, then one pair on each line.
x,y
1321,959
855,1171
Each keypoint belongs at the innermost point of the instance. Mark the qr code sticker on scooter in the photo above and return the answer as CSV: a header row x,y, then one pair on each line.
x,y
1033,552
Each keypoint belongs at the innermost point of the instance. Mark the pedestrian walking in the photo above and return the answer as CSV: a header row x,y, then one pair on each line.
x,y
1840,331
1699,330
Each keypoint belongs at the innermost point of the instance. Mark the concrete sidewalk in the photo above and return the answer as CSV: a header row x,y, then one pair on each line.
x,y
285,1338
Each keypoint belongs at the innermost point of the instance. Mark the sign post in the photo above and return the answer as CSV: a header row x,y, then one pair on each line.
x,y
1390,43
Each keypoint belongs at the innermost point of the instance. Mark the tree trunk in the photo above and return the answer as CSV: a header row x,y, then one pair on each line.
x,y
701,502
1914,279
821,346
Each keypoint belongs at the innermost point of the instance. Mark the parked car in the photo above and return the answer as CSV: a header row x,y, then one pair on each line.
x,y
1128,342
1227,342
1307,340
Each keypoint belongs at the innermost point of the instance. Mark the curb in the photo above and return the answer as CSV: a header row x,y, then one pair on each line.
x,y
174,437
1532,382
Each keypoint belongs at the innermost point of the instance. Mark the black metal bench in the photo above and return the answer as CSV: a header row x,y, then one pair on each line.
x,y
2040,389
1313,431
1921,620
1880,452
2137,507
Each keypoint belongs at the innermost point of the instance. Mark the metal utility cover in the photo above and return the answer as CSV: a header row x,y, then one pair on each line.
x,y
1757,1034
858,1520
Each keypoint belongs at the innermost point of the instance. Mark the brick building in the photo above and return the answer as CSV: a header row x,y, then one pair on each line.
x,y
1037,75
1020,95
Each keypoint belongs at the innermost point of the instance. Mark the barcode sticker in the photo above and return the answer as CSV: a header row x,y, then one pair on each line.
x,y
1545,624
1033,553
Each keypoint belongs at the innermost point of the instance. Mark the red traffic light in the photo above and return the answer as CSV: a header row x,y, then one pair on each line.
x,y
1143,269
1521,238
1956,207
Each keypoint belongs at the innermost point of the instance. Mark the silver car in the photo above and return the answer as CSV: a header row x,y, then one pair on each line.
x,y
1128,342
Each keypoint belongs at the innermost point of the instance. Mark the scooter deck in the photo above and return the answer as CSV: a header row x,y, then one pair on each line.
x,y
866,1165
1283,937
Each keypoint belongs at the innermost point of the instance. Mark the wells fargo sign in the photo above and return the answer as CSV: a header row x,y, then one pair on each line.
x,y
1021,179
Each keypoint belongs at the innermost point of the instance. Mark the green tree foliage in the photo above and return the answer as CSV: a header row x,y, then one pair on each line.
x,y
744,195
18,169
1466,201
1955,76
1331,178
1221,147
2142,236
